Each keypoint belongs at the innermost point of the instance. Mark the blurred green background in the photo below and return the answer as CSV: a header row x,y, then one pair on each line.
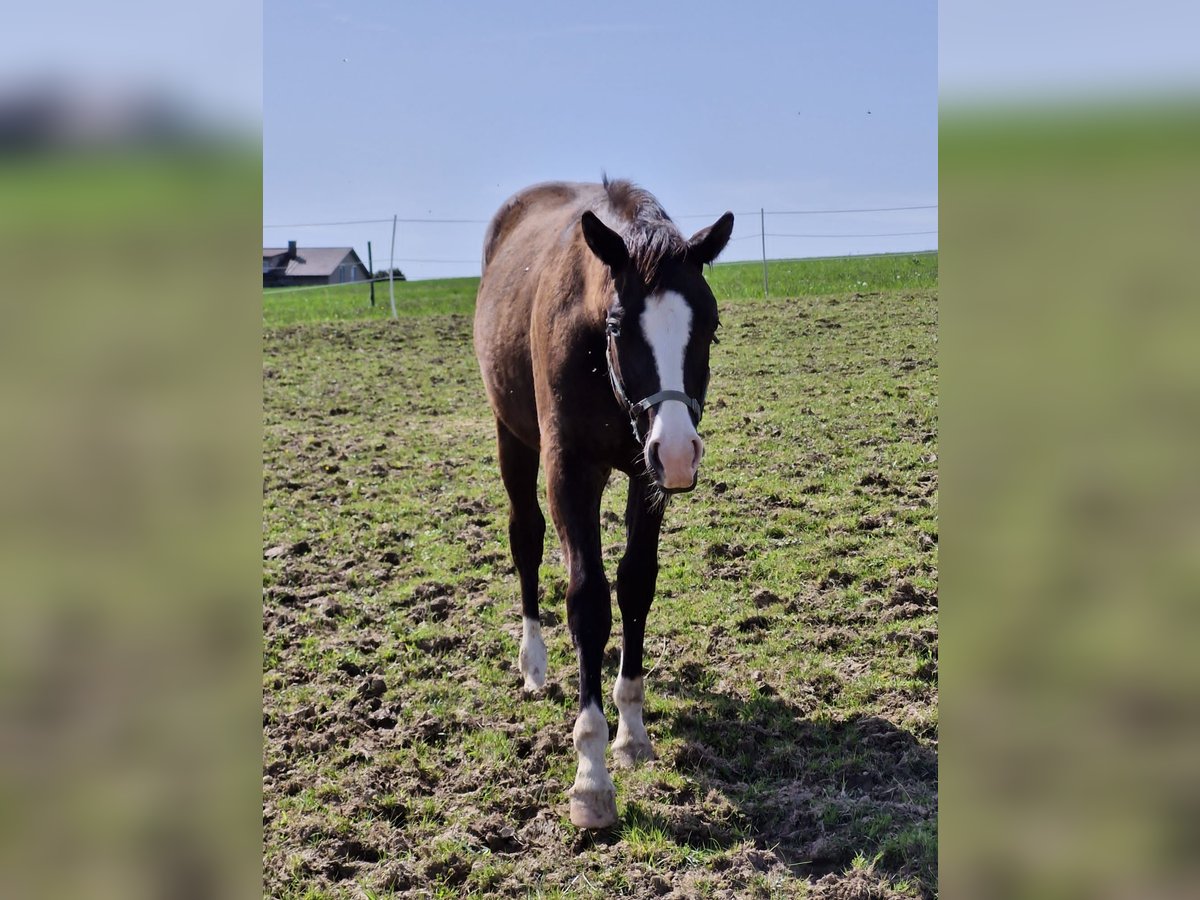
x,y
1071,541
129,539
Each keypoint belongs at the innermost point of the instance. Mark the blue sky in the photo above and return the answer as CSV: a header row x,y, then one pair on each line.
x,y
207,55
443,110
1032,50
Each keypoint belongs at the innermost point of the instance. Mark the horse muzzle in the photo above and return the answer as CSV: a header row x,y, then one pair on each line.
x,y
674,460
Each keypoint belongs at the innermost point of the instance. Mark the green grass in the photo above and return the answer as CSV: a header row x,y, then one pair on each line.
x,y
831,275
787,278
792,647
286,306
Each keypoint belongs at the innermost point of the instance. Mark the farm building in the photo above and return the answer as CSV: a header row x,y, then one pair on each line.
x,y
292,267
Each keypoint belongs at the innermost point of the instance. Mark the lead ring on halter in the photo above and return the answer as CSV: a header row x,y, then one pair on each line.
x,y
612,328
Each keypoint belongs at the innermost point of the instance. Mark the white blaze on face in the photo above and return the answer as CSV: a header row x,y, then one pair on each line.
x,y
667,326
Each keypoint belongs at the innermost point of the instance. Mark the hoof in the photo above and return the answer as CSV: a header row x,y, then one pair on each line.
x,y
534,682
630,753
594,810
535,675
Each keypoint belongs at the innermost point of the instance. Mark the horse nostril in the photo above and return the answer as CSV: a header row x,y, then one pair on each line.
x,y
697,452
655,462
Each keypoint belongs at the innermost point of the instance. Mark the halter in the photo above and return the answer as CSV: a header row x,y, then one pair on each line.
x,y
612,328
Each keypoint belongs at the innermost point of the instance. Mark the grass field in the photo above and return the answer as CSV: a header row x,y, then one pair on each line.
x,y
787,278
792,648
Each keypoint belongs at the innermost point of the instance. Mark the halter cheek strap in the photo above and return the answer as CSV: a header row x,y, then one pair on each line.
x,y
637,410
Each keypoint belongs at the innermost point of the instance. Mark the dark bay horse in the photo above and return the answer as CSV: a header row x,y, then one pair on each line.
x,y
592,328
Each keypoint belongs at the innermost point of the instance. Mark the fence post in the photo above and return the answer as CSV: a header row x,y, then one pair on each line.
x,y
371,274
762,227
392,268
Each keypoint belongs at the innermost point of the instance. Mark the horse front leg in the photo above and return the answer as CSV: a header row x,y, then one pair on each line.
x,y
574,494
526,537
636,578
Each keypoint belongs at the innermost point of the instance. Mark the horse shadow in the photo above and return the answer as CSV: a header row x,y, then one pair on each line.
x,y
817,792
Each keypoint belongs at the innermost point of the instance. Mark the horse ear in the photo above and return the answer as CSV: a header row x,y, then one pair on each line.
x,y
707,243
608,246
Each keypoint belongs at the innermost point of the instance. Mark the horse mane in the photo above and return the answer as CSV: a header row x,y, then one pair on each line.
x,y
651,236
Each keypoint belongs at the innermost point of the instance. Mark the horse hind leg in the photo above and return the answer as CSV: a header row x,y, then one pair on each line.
x,y
526,539
636,578
631,745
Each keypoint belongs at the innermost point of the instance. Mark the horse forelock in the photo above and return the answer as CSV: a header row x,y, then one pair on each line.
x,y
651,237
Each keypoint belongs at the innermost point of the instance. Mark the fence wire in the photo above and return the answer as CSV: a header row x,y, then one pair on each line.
x,y
769,212
420,242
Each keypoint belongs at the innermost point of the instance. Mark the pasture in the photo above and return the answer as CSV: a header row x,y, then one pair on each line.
x,y
791,652
788,278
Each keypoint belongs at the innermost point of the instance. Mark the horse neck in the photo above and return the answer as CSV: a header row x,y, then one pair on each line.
x,y
598,291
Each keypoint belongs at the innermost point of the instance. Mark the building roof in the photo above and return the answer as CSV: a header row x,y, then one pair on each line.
x,y
314,261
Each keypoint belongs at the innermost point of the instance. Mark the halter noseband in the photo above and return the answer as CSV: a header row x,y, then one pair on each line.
x,y
612,328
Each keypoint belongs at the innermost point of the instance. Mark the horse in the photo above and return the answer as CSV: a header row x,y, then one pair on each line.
x,y
593,327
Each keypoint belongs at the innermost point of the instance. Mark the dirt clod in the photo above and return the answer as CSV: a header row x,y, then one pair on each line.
x,y
905,593
382,719
753,623
497,835
356,850
903,611
372,687
836,578
721,551
764,598
453,869
430,590
392,877
299,548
